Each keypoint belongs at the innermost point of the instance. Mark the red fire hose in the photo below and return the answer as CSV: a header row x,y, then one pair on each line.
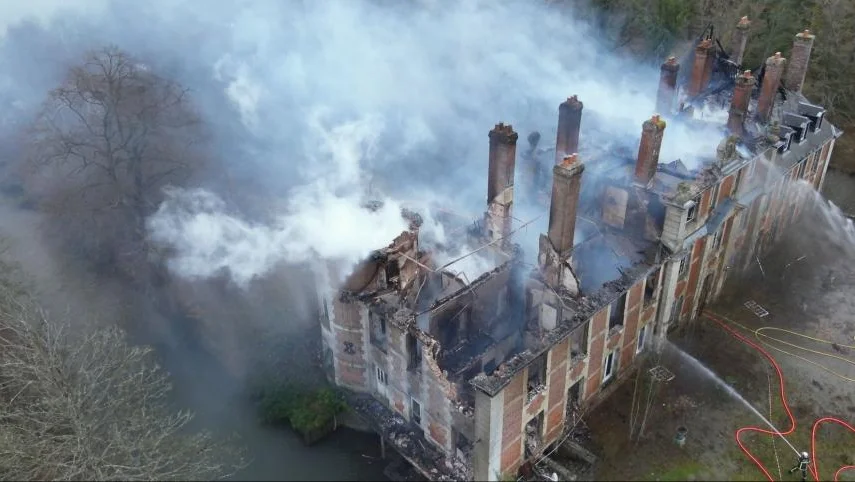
x,y
814,467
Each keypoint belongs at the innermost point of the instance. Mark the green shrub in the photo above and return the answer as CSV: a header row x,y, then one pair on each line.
x,y
305,410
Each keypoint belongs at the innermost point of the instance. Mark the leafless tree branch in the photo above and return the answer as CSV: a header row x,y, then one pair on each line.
x,y
87,405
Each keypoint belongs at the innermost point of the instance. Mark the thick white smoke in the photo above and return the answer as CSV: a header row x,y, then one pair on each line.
x,y
323,219
282,82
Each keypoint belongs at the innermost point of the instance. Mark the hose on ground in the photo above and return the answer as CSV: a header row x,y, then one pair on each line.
x,y
814,467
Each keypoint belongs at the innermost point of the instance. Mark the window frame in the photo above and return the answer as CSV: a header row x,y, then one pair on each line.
x,y
381,375
641,341
415,411
685,264
609,365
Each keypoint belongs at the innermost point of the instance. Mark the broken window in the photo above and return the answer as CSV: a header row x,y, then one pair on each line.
x,y
684,265
579,342
462,444
415,412
692,212
381,376
536,375
713,197
716,241
616,311
650,286
610,366
377,324
414,350
533,431
393,271
642,335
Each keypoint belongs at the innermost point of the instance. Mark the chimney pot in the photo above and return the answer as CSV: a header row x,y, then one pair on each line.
x,y
648,149
702,68
799,60
566,186
739,103
500,179
769,89
569,124
667,92
570,159
740,40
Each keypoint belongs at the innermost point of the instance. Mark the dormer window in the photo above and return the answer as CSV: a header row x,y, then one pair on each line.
x,y
692,210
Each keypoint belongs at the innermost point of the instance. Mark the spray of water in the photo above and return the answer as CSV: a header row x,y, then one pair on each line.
x,y
727,388
840,228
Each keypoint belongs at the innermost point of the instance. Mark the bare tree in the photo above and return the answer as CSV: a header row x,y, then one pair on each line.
x,y
105,143
88,406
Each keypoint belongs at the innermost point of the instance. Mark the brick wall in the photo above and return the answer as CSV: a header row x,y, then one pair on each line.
x,y
512,424
694,275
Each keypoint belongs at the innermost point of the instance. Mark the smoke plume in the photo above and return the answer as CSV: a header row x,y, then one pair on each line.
x,y
332,104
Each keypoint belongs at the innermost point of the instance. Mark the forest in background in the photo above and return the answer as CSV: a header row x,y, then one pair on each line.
x,y
654,29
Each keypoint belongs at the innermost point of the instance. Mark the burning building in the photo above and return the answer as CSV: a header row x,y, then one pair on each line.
x,y
474,378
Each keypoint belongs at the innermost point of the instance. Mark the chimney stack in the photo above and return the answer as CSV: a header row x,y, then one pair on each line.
x,y
739,103
500,181
566,186
799,59
769,89
667,85
569,122
740,39
702,68
648,150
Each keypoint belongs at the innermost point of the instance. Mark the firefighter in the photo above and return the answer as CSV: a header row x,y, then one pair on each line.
x,y
804,461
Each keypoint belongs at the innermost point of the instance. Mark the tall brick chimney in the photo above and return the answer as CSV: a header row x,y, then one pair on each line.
x,y
569,122
771,81
702,67
739,103
566,186
740,40
799,59
648,150
667,85
500,181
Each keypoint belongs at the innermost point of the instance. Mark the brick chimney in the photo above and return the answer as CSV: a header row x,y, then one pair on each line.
x,y
769,89
569,122
740,39
739,103
702,67
566,186
799,59
500,181
648,150
667,85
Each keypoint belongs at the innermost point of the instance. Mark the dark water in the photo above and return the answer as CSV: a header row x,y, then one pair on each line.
x,y
222,405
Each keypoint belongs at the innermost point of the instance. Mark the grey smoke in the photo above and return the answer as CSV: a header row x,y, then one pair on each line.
x,y
332,103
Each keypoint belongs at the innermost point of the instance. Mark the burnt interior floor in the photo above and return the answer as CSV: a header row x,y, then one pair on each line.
x,y
810,296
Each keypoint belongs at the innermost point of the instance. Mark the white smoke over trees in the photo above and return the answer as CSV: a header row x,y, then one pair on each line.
x,y
421,83
102,147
